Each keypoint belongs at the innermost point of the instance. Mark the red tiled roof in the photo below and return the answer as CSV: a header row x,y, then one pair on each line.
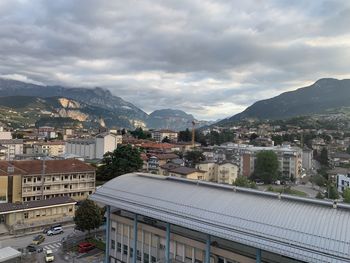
x,y
51,166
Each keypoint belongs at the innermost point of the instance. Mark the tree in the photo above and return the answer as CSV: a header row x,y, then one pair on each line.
x,y
88,216
194,157
140,134
185,136
324,157
346,195
243,181
124,159
266,167
318,180
332,192
319,195
166,140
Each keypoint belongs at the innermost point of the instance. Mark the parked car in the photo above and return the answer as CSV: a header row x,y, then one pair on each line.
x,y
50,227
55,231
34,248
85,247
38,239
49,257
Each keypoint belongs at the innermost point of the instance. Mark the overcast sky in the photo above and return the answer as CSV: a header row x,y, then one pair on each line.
x,y
209,58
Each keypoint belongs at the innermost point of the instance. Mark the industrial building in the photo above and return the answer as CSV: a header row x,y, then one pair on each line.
x,y
168,219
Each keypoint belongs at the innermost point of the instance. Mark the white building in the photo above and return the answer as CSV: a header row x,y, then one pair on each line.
x,y
160,135
93,148
5,135
13,148
343,182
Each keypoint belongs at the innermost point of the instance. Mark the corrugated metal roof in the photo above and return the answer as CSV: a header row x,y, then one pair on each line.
x,y
299,228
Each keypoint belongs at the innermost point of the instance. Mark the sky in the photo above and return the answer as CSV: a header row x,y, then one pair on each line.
x,y
208,58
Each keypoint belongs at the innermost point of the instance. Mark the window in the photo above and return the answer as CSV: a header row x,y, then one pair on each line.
x,y
26,215
70,209
131,252
113,229
153,259
138,255
145,258
119,247
125,249
113,244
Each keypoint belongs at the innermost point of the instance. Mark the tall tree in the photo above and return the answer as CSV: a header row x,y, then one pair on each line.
x,y
194,157
346,195
185,136
266,167
324,157
88,216
124,159
332,192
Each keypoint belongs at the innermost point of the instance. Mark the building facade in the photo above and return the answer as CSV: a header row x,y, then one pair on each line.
x,y
93,148
11,148
169,219
223,173
23,181
160,135
52,149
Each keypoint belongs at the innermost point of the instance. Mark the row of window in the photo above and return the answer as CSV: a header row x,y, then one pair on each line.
x,y
131,254
78,194
58,178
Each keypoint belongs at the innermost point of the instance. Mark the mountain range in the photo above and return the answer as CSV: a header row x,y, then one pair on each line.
x,y
25,104
323,97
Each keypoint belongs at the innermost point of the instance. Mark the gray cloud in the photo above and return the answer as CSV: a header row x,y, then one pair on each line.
x,y
209,58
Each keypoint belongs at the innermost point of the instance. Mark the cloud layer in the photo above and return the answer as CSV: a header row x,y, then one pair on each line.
x,y
210,58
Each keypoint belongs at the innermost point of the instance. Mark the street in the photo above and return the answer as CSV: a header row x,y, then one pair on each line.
x,y
53,243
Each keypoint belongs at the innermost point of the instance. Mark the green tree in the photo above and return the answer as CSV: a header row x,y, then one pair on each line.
x,y
324,157
88,216
185,136
346,195
194,157
140,134
243,181
166,140
266,167
319,195
124,159
332,192
318,180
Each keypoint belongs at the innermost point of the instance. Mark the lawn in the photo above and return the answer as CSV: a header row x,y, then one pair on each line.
x,y
286,190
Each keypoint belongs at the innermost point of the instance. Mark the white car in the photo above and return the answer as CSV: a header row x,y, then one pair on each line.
x,y
49,257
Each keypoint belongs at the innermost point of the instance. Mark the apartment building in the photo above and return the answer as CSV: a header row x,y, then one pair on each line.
x,y
289,158
93,148
52,149
307,158
220,172
160,135
187,221
11,148
23,181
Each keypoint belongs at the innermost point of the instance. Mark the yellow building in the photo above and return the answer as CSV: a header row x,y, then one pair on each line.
x,y
187,172
54,148
34,215
224,173
34,180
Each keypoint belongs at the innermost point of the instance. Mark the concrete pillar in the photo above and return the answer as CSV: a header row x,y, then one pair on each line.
x,y
258,255
167,243
108,231
135,239
207,249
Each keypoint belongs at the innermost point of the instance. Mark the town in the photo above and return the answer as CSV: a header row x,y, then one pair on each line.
x,y
48,172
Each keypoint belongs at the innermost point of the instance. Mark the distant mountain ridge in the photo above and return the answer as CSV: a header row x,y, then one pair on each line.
x,y
321,97
95,103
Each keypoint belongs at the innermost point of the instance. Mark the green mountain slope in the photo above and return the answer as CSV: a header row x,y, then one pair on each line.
x,y
323,96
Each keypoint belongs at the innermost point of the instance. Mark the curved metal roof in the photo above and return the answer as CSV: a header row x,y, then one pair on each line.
x,y
300,228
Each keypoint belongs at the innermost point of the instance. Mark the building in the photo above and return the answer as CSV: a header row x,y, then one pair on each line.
x,y
22,181
30,216
289,158
169,219
343,181
5,135
53,148
160,135
13,147
224,172
156,160
47,132
307,158
187,172
93,148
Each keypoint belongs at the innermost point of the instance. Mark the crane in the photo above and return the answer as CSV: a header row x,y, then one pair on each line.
x,y
193,133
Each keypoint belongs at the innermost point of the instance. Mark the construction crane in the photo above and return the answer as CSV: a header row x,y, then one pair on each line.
x,y
193,133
